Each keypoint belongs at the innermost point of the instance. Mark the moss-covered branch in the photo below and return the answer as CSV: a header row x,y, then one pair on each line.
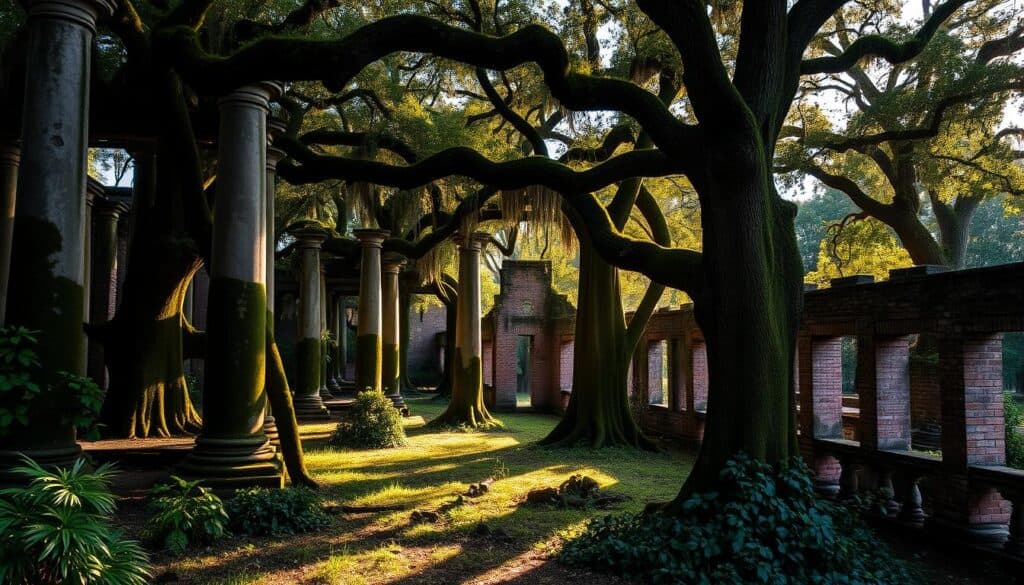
x,y
337,61
882,47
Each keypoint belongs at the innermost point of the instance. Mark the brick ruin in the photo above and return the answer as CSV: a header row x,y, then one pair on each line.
x,y
921,418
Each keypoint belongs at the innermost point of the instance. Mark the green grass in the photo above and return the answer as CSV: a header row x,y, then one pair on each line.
x,y
429,474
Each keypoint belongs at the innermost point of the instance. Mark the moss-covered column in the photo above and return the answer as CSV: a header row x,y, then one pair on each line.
x,y
308,403
370,327
341,326
49,219
333,379
391,374
232,449
467,407
10,157
275,155
103,283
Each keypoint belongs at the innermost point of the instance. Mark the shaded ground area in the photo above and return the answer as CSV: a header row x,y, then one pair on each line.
x,y
429,475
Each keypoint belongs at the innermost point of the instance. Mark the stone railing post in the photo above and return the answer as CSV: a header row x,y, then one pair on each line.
x,y
391,374
308,402
232,450
370,326
49,223
10,157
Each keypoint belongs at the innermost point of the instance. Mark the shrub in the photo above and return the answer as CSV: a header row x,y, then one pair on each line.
x,y
372,423
184,513
54,530
258,511
1013,414
27,391
760,527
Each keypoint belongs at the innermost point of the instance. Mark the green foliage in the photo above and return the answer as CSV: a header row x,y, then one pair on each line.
x,y
184,513
55,530
1013,413
761,526
276,512
372,423
27,391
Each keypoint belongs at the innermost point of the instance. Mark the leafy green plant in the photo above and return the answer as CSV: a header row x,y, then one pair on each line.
x,y
1013,413
27,390
372,423
55,530
761,526
184,513
259,511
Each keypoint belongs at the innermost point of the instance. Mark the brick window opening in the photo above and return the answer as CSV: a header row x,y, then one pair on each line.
x,y
1013,390
925,397
658,366
700,376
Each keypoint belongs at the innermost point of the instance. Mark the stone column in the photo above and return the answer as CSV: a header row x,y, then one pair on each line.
x,y
370,327
232,449
308,403
103,284
325,392
49,220
10,156
390,363
341,327
331,302
468,337
274,155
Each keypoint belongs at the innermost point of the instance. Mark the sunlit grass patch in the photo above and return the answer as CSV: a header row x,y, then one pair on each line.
x,y
432,473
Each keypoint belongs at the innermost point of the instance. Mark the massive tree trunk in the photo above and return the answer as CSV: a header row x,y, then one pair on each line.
x,y
748,312
144,342
598,414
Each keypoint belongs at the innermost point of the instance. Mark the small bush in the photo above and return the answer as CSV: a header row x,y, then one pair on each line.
x,y
1013,414
55,530
184,514
760,527
372,423
258,511
28,391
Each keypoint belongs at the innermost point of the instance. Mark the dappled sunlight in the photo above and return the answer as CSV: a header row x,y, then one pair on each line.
x,y
432,474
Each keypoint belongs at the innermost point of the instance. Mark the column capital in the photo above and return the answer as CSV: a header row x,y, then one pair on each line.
x,y
309,234
392,263
10,152
274,156
94,190
275,128
258,96
474,241
370,237
81,12
107,207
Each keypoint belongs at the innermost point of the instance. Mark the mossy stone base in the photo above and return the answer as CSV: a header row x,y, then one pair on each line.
x,y
226,464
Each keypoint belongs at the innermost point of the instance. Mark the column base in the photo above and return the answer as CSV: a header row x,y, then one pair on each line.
x,y
47,457
270,430
311,407
225,464
978,533
333,387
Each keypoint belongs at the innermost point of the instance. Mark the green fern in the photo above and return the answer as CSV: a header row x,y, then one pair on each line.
x,y
54,530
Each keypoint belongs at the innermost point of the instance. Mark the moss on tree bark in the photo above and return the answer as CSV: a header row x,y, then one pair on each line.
x,y
466,407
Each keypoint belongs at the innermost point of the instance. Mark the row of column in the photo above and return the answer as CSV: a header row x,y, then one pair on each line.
x,y
378,336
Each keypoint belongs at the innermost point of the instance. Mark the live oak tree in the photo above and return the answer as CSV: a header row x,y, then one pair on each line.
x,y
926,134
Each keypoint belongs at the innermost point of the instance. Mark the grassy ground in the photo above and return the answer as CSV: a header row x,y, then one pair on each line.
x,y
429,474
